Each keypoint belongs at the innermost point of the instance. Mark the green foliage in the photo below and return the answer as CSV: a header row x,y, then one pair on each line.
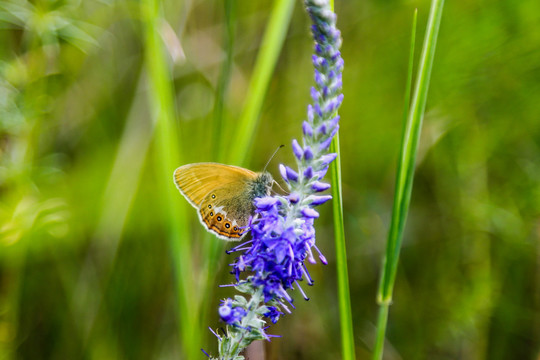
x,y
88,267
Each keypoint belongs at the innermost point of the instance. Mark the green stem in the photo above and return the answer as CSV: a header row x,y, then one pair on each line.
x,y
262,72
405,172
344,296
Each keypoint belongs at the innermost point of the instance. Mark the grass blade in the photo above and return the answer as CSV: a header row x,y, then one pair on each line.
x,y
344,295
262,72
405,172
224,77
167,159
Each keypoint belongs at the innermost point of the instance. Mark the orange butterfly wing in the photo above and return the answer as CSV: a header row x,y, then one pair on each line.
x,y
219,193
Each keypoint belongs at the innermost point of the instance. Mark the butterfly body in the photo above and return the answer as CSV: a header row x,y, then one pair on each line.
x,y
223,195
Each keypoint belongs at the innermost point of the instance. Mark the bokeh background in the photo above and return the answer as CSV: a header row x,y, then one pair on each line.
x,y
88,266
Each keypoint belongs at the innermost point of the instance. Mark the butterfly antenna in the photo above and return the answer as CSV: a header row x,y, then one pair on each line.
x,y
279,186
271,157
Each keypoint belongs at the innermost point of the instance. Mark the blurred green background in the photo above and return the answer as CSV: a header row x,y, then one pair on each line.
x,y
87,270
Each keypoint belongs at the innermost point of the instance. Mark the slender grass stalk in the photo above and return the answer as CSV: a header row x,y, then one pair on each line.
x,y
262,72
94,276
405,172
224,77
408,85
344,295
167,159
212,248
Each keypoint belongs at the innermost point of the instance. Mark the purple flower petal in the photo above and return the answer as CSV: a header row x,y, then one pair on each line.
x,y
291,174
316,200
325,144
297,149
320,186
294,198
332,123
319,79
315,94
307,129
310,113
283,172
310,213
266,202
308,154
334,132
318,110
322,172
328,158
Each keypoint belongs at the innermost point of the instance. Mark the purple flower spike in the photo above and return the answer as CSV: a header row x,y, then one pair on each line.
x,y
308,154
310,213
297,149
273,261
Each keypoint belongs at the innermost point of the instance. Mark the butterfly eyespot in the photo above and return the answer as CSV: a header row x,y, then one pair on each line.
x,y
211,213
227,225
209,206
219,218
235,228
213,196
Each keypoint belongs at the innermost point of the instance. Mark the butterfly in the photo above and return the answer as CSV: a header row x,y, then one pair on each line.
x,y
223,195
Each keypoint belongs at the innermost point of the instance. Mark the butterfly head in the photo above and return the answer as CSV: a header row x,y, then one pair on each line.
x,y
262,185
